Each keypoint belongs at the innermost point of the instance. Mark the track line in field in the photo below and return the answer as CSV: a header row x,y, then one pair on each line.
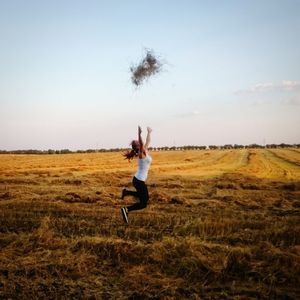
x,y
216,164
279,155
289,169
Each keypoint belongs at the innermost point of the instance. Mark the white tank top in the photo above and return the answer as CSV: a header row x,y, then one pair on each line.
x,y
143,167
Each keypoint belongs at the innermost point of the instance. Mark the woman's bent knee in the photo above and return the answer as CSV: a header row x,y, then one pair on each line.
x,y
143,205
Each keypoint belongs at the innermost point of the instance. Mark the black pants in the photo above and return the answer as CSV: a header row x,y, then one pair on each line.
x,y
141,193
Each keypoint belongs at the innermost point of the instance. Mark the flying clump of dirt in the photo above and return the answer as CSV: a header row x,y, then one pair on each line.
x,y
148,66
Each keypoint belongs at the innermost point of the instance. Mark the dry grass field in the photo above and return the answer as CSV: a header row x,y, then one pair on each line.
x,y
219,225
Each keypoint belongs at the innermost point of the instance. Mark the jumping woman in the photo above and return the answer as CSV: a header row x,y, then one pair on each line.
x,y
139,150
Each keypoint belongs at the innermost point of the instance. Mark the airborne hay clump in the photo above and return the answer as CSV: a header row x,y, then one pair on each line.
x,y
149,66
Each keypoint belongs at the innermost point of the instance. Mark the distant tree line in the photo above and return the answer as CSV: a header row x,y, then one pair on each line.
x,y
62,151
165,148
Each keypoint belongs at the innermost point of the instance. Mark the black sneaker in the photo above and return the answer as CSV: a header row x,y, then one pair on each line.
x,y
123,194
124,214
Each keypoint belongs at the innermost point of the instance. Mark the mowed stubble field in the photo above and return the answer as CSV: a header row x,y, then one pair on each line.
x,y
219,225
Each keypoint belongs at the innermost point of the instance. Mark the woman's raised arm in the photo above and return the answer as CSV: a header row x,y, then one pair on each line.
x,y
148,138
141,143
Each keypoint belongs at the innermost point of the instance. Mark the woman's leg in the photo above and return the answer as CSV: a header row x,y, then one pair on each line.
x,y
141,193
126,192
129,193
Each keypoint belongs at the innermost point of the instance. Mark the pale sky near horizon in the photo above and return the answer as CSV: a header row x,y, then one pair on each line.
x,y
232,73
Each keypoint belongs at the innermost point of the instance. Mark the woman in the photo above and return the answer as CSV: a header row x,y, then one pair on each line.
x,y
140,150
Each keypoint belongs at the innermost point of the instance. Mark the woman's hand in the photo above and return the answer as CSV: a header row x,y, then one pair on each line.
x,y
149,129
139,130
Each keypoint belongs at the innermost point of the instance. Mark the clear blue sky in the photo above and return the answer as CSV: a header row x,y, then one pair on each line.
x,y
232,72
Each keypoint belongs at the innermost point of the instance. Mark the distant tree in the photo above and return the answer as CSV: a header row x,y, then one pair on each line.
x,y
255,146
50,151
283,145
202,147
90,151
270,146
227,146
236,146
65,151
213,147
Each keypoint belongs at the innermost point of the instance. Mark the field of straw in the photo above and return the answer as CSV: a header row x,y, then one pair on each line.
x,y
219,225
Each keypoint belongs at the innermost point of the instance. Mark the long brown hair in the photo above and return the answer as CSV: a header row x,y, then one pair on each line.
x,y
130,154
